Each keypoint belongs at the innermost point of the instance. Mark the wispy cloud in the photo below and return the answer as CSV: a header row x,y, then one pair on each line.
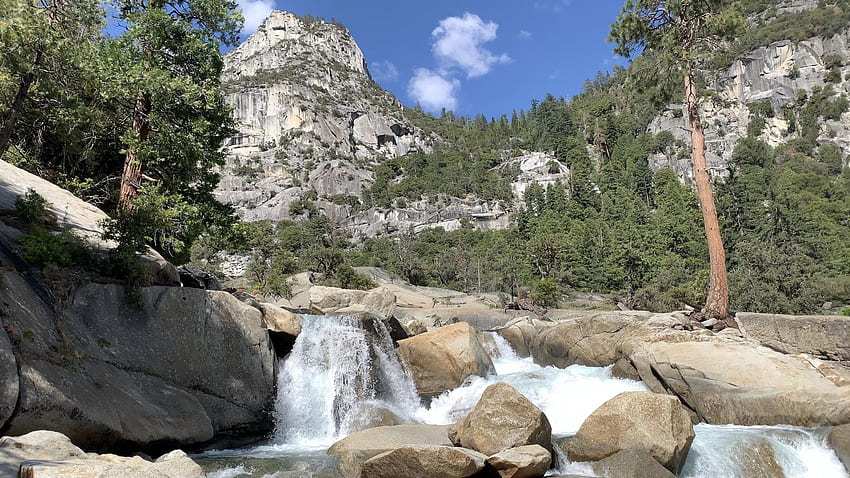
x,y
432,90
554,75
556,6
458,42
524,35
254,11
384,71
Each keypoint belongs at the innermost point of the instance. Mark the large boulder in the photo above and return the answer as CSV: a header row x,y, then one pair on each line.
x,y
9,383
179,366
654,423
631,463
280,320
503,418
600,339
378,301
37,445
442,359
529,461
824,336
358,447
839,440
742,383
173,465
424,460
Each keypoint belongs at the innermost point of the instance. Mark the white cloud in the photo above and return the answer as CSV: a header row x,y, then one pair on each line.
x,y
556,6
458,43
432,90
524,35
384,71
254,11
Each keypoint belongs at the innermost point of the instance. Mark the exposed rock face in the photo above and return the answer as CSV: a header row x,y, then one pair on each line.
x,y
424,460
632,463
281,320
824,336
530,461
173,465
763,74
839,440
183,367
503,418
309,113
9,383
358,447
657,424
442,359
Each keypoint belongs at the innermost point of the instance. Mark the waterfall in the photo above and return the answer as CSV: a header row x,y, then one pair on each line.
x,y
340,368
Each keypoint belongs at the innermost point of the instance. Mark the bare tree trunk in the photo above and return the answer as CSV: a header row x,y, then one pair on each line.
x,y
17,104
717,302
131,178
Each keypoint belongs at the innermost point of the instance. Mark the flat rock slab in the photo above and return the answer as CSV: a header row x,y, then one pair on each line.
x,y
37,445
9,383
824,336
744,384
173,465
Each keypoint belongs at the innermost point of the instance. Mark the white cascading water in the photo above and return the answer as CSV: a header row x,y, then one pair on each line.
x,y
335,371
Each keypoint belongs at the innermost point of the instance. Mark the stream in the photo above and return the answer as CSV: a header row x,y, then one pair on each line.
x,y
339,375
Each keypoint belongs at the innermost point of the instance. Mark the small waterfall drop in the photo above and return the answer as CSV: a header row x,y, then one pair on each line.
x,y
339,368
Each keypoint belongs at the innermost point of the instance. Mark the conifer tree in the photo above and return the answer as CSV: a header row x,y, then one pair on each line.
x,y
676,35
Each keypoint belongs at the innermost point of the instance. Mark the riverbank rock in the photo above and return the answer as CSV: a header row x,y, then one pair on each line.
x,y
631,463
280,320
442,359
179,367
173,465
37,445
378,301
823,336
600,339
358,447
503,418
424,460
529,461
742,383
655,423
839,440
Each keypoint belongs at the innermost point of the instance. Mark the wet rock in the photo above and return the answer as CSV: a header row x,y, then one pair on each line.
x,y
503,418
632,464
530,461
424,460
839,440
758,460
657,424
443,358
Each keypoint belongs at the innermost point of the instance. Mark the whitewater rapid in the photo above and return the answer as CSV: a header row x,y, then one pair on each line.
x,y
337,370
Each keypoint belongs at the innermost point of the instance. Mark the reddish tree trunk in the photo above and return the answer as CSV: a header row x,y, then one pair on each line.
x,y
131,178
717,302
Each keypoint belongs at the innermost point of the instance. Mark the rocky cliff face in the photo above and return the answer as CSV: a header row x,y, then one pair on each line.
x,y
777,73
310,118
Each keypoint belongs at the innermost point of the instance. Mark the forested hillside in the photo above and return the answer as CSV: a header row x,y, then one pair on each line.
x,y
622,221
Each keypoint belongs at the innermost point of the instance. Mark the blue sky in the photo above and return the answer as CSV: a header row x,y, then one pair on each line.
x,y
478,56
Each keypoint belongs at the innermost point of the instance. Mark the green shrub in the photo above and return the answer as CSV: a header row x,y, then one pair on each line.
x,y
62,249
845,311
31,208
